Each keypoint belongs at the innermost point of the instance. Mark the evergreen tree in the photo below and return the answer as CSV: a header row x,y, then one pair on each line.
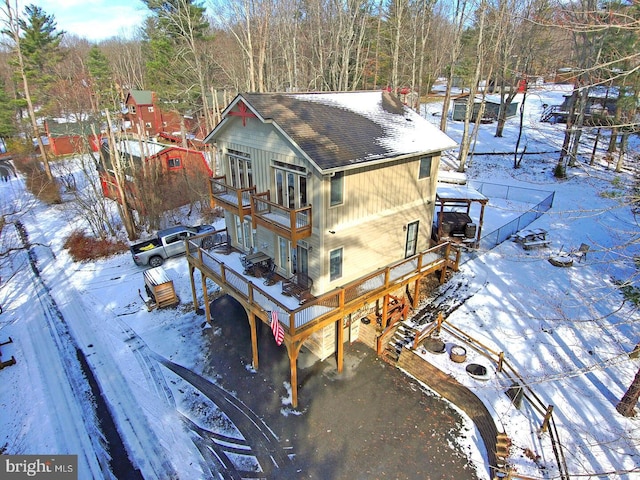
x,y
7,114
101,80
35,46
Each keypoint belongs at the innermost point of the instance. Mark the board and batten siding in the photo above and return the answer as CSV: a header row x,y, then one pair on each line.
x,y
379,201
264,144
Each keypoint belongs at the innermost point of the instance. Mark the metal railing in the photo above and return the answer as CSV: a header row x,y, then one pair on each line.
x,y
319,308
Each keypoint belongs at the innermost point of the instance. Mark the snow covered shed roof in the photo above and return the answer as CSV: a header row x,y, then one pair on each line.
x,y
458,193
344,129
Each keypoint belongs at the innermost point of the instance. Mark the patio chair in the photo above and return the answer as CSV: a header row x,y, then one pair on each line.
x,y
270,274
581,252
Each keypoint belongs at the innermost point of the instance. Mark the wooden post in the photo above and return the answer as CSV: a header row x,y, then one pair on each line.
x,y
547,417
207,306
196,306
416,293
385,311
439,322
340,346
293,349
254,339
500,361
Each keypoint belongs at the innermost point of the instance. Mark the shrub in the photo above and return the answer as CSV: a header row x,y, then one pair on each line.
x,y
37,182
82,248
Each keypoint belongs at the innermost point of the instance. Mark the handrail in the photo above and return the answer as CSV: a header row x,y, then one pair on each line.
x,y
505,367
324,306
294,218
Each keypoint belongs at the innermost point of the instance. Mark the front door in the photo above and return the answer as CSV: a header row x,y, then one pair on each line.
x,y
292,260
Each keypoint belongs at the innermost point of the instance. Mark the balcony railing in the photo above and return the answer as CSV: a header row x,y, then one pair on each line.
x,y
291,223
235,200
329,306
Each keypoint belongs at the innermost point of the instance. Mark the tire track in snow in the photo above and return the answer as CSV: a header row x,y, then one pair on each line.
x,y
97,421
111,394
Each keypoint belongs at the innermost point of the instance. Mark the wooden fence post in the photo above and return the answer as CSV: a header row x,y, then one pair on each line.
x,y
500,361
547,417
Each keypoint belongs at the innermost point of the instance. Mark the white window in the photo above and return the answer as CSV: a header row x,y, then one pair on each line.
x,y
335,264
337,189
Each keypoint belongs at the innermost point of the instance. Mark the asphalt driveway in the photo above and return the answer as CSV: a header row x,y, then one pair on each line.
x,y
369,422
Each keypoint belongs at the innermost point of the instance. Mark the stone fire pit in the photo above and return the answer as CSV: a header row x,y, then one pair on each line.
x,y
477,371
434,345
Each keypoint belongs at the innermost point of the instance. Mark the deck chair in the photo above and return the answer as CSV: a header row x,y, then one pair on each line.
x,y
270,275
581,252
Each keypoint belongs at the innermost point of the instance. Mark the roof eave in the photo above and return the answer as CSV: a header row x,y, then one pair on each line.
x,y
380,161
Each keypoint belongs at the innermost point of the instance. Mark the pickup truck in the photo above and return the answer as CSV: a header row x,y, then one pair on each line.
x,y
168,243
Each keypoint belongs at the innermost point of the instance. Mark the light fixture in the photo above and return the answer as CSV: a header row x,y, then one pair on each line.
x,y
332,232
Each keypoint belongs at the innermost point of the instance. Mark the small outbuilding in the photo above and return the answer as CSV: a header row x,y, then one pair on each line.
x,y
491,108
160,289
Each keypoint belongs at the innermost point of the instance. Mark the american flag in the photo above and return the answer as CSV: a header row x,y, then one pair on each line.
x,y
276,328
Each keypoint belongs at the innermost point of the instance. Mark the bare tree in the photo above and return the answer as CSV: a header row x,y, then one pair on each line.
x,y
629,400
14,26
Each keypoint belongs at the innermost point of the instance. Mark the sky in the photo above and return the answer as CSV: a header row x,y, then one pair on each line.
x,y
94,20
564,330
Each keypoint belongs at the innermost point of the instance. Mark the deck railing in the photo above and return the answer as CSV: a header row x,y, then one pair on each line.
x,y
239,198
295,221
311,312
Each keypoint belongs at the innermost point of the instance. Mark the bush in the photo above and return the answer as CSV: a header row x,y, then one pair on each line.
x,y
37,182
82,248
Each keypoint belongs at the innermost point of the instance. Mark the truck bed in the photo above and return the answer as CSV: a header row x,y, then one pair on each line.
x,y
145,245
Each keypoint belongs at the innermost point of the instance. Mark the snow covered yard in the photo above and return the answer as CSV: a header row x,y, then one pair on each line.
x,y
567,331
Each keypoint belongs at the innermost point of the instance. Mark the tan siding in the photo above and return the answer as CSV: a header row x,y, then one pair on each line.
x,y
379,201
369,226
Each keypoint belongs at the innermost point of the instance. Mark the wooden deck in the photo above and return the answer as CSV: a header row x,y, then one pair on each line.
x,y
301,320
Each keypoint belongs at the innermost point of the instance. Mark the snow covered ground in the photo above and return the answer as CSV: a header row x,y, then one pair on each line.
x,y
567,331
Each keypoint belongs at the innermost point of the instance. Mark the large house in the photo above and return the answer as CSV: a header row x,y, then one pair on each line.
x,y
348,179
336,189
144,115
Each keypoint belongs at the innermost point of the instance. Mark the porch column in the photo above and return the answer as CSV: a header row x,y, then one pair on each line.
x,y
254,339
340,346
293,349
207,307
193,288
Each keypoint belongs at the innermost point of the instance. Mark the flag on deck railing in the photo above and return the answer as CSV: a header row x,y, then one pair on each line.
x,y
276,328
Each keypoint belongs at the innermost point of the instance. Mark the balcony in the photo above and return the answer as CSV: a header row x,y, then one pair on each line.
x,y
234,200
291,223
224,266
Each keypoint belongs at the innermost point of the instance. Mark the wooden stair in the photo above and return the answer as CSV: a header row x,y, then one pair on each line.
x,y
402,337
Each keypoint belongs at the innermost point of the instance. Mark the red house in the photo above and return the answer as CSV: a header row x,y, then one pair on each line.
x,y
66,138
168,178
143,115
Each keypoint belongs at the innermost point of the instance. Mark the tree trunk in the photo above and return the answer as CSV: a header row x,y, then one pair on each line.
x,y
629,400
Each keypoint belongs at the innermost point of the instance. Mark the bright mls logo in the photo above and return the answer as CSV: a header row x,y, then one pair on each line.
x,y
44,467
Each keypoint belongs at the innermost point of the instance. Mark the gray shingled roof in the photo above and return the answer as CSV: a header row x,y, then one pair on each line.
x,y
346,129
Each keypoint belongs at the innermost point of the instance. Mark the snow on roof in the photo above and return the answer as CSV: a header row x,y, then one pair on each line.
x,y
406,131
458,192
133,147
337,131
